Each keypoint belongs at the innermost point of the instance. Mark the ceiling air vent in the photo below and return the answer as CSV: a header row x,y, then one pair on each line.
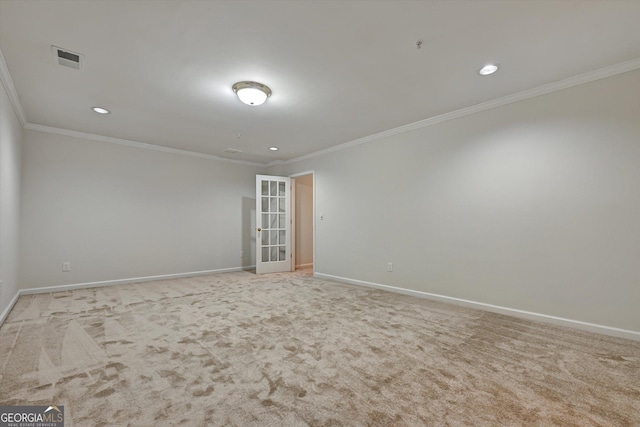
x,y
68,58
232,151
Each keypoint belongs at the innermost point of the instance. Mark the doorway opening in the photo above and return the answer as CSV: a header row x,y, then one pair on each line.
x,y
303,218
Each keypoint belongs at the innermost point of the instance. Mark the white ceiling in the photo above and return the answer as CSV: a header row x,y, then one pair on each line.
x,y
339,70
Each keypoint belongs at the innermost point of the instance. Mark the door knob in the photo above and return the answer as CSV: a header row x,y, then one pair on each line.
x,y
259,229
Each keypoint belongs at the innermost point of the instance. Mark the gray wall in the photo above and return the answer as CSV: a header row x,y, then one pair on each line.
x,y
304,220
10,151
119,212
533,206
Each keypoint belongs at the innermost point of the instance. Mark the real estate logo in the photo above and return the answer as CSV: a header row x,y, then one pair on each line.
x,y
31,416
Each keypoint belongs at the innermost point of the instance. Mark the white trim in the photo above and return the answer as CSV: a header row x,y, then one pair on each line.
x,y
579,79
136,144
59,288
7,81
299,174
7,310
559,321
569,82
49,289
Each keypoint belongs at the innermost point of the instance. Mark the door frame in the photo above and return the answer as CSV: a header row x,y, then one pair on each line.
x,y
293,234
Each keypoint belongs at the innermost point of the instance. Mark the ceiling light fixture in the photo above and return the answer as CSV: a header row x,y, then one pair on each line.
x,y
273,148
488,69
252,93
100,110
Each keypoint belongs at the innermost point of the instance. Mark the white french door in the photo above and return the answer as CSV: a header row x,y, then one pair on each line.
x,y
273,222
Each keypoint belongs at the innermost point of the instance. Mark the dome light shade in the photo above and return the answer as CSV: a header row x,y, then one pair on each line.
x,y
252,93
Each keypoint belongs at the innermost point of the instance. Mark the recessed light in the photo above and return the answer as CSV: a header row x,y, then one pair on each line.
x,y
273,148
100,110
488,69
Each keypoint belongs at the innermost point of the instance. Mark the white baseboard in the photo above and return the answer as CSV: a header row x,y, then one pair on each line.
x,y
49,289
59,288
7,310
577,324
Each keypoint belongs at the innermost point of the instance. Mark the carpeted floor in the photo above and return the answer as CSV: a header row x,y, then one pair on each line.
x,y
291,350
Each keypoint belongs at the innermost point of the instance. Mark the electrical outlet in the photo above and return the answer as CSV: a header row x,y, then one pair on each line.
x,y
389,266
66,266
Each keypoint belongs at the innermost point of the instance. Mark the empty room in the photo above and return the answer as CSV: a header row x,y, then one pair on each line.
x,y
319,213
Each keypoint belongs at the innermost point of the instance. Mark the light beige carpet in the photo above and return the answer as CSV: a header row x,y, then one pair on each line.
x,y
291,350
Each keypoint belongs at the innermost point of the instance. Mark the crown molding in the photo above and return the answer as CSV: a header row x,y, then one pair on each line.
x,y
569,82
136,144
7,82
